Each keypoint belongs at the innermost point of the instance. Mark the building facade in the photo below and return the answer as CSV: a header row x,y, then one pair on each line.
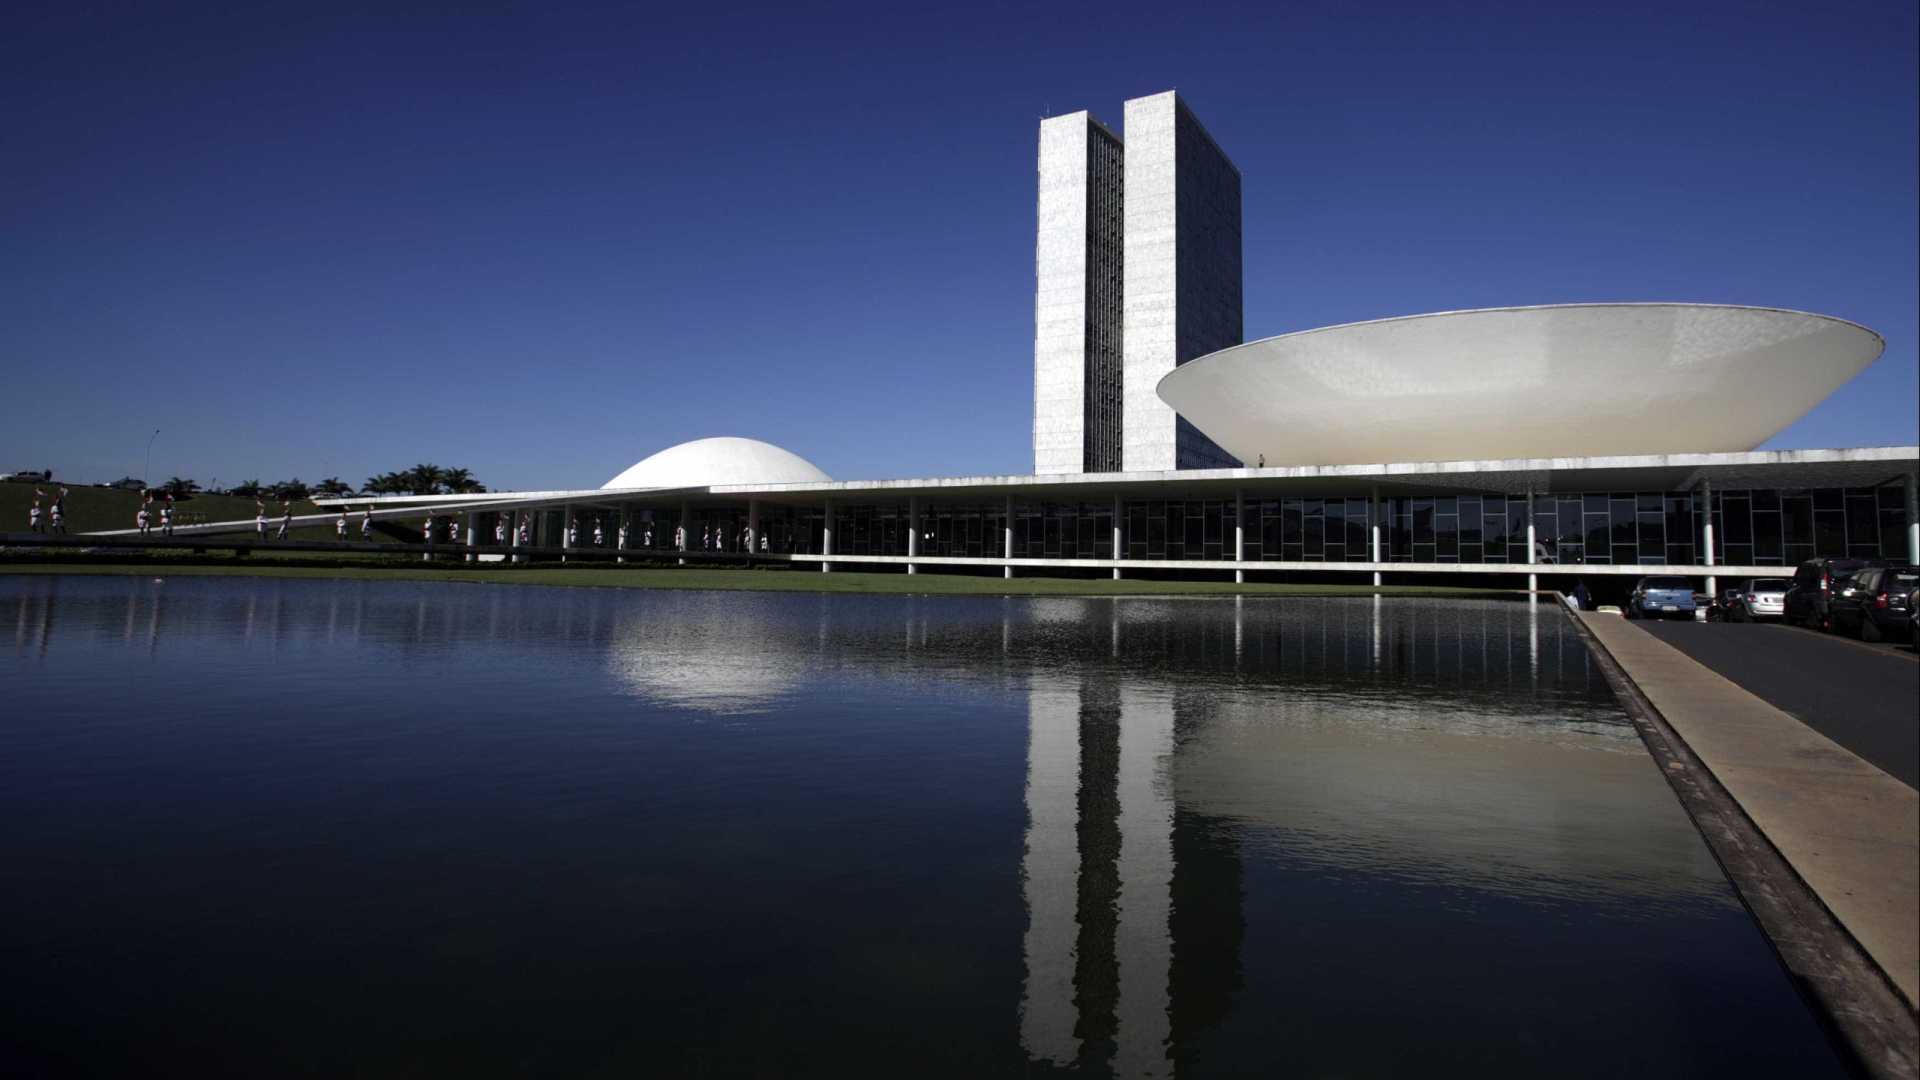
x,y
1182,274
1078,287
1137,270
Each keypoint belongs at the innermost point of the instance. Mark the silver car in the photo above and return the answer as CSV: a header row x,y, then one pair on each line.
x,y
1763,598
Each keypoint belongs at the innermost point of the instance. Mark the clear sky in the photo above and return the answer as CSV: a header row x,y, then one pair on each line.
x,y
542,241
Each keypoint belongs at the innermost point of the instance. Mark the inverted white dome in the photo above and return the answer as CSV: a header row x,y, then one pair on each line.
x,y
1562,381
722,460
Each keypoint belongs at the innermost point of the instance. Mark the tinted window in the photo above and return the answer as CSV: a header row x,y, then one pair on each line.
x,y
1669,583
1902,579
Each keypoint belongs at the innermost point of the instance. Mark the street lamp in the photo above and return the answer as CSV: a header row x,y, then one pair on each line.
x,y
145,480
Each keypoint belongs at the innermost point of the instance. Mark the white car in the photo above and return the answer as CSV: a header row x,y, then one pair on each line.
x,y
1763,598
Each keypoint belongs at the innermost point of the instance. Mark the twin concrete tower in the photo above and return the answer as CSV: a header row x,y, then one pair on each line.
x,y
1137,270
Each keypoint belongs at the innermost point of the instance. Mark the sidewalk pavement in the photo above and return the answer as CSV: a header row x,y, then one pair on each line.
x,y
1850,831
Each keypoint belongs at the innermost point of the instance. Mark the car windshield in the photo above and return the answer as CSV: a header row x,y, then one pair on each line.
x,y
1901,579
1767,584
1669,583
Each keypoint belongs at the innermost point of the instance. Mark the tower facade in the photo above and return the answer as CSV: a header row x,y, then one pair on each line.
x,y
1077,355
1182,272
1137,271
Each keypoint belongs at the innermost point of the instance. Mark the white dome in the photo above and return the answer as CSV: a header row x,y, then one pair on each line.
x,y
723,460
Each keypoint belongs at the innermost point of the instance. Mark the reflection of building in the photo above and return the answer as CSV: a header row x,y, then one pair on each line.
x,y
1150,793
1099,875
1600,438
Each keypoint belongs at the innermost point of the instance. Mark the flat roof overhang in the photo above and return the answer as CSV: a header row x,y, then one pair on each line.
x,y
1859,467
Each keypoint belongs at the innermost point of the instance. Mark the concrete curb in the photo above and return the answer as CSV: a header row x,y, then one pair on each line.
x,y
1865,1015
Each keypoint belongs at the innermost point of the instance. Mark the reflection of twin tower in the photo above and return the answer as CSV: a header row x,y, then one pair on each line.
x,y
1137,271
1108,850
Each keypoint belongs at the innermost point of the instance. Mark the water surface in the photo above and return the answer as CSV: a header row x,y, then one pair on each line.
x,y
283,827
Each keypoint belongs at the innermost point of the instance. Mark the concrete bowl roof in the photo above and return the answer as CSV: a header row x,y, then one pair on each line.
x,y
1564,380
722,460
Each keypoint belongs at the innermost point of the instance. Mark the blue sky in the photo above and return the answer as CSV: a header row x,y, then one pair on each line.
x,y
543,241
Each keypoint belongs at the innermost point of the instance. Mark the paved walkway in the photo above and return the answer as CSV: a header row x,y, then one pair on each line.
x,y
1848,829
1866,698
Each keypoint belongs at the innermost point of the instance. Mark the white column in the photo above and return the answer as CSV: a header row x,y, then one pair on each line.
x,y
1374,514
826,538
1913,520
1239,535
753,526
1706,520
1119,549
513,534
1006,546
1533,580
566,531
913,531
473,532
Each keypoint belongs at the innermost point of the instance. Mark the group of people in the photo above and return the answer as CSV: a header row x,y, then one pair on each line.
x,y
144,520
56,513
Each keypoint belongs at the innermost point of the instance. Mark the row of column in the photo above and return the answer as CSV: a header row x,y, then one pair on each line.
x,y
1375,515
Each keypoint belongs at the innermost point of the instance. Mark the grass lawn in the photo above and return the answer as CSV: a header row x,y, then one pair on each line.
x,y
840,581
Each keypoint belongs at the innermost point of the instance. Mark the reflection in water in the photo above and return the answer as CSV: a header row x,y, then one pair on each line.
x,y
1139,837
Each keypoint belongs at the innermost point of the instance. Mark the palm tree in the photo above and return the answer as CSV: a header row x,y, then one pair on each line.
x,y
332,485
246,489
180,487
461,482
424,479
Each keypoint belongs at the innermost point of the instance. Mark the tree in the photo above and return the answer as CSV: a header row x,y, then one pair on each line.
x,y
180,487
246,489
332,485
424,479
461,482
295,488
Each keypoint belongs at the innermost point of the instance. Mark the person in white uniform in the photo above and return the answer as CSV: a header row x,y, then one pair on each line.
x,y
599,536
33,517
286,519
340,527
166,517
144,522
260,519
366,525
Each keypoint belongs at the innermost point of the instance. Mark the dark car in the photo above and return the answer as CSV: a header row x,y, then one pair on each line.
x,y
1653,597
1876,603
1811,595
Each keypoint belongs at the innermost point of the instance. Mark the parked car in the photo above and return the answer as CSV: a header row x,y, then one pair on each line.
x,y
1811,594
1654,597
1763,598
1720,609
1877,603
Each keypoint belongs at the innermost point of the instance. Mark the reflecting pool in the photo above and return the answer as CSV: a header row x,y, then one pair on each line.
x,y
271,827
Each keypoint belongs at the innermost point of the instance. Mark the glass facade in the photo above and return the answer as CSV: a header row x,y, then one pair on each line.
x,y
1763,527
